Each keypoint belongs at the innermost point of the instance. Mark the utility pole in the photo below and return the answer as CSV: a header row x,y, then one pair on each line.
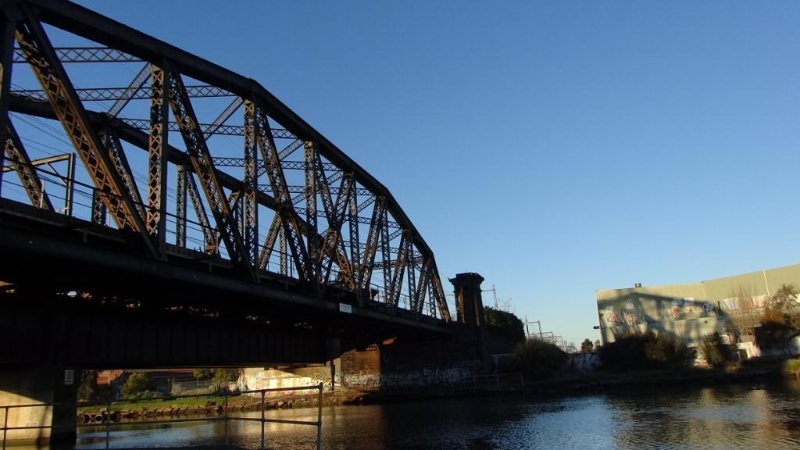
x,y
527,330
494,292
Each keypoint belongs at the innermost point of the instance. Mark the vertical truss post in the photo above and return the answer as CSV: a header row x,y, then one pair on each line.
x,y
283,254
386,257
311,213
180,206
411,270
250,210
157,159
69,202
355,247
98,208
6,60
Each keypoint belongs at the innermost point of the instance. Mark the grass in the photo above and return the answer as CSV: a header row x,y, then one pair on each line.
x,y
165,402
791,365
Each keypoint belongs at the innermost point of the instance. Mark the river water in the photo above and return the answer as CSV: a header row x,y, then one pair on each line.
x,y
764,416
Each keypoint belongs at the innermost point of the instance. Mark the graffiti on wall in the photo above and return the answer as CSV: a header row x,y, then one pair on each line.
x,y
644,310
407,379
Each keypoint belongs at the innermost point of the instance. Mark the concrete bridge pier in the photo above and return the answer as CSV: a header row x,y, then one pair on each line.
x,y
38,406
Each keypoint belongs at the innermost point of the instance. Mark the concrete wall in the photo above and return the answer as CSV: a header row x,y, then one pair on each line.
x,y
391,367
43,401
259,378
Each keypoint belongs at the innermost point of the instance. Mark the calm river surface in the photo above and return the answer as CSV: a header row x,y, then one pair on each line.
x,y
764,416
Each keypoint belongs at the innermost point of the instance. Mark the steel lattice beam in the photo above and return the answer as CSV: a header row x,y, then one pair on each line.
x,y
316,221
123,93
21,163
156,158
218,130
200,158
292,229
85,55
40,55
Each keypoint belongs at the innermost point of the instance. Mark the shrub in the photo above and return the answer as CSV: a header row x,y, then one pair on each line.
x,y
715,352
136,383
646,351
536,359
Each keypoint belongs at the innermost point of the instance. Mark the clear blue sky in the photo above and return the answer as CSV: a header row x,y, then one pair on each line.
x,y
554,147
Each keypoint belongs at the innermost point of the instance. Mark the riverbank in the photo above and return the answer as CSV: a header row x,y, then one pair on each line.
x,y
595,382
565,385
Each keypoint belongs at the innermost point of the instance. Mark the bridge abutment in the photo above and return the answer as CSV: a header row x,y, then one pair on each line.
x,y
469,309
39,406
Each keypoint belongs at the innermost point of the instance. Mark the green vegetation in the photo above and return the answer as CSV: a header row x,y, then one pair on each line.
x,y
87,390
504,324
715,352
223,377
779,323
587,346
791,366
158,403
646,351
536,359
137,385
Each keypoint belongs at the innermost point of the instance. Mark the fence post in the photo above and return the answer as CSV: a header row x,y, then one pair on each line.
x,y
5,426
319,418
226,418
263,417
108,421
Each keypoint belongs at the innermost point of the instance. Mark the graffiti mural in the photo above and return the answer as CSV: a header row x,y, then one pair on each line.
x,y
639,309
408,379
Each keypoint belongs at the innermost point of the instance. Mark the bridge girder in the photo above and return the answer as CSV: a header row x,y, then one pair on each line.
x,y
179,144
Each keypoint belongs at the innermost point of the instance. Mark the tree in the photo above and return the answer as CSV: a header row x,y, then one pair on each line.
x,y
536,359
136,383
87,391
715,352
646,351
745,316
779,319
782,306
201,374
587,346
504,324
224,376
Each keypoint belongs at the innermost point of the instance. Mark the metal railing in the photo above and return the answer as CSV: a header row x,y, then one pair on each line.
x,y
7,412
109,423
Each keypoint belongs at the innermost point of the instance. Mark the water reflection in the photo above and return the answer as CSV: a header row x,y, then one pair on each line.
x,y
742,416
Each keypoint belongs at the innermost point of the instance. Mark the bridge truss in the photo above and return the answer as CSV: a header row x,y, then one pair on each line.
x,y
185,158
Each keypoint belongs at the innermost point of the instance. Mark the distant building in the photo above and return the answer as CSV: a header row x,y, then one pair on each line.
x,y
730,306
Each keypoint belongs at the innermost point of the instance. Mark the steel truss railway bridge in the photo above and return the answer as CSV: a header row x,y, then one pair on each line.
x,y
158,209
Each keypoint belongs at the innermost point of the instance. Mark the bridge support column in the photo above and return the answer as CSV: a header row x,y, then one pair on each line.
x,y
469,308
39,406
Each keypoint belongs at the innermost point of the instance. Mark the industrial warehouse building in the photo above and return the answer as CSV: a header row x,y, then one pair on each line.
x,y
730,306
